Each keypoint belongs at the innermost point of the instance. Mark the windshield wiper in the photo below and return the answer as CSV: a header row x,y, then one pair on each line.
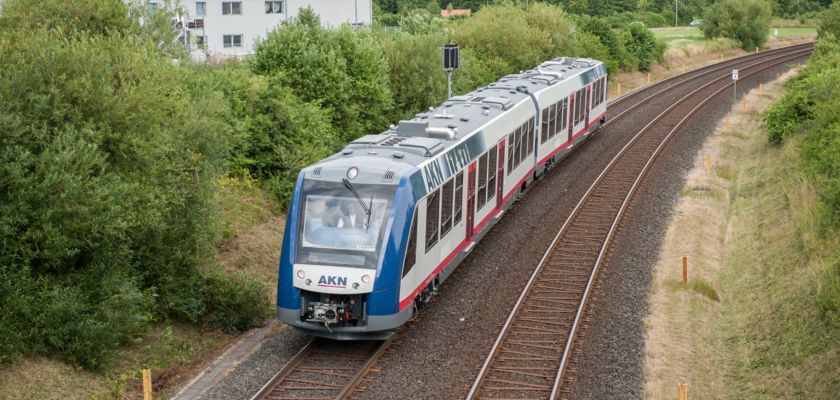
x,y
359,198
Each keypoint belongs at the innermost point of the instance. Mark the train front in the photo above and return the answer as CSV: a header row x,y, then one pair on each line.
x,y
343,249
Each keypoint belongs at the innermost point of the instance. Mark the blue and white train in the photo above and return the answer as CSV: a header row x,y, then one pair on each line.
x,y
374,230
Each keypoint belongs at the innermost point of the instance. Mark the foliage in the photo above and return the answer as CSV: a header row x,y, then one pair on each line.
x,y
415,73
341,70
830,21
808,111
509,39
109,157
747,21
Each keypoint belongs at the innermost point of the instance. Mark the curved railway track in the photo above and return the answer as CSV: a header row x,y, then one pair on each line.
x,y
326,369
531,353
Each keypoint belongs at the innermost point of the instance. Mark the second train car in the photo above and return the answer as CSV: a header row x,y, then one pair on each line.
x,y
373,230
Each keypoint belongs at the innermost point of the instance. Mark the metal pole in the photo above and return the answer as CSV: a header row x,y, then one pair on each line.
x,y
676,12
449,83
735,93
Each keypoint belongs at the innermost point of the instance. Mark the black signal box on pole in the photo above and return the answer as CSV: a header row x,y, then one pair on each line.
x,y
451,57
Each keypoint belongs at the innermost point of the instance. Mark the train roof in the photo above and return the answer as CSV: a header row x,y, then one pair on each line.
x,y
431,133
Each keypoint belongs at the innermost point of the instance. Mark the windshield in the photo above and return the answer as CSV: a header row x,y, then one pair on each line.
x,y
335,227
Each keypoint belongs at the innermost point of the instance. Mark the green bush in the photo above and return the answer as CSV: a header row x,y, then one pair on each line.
x,y
340,69
236,301
415,73
108,158
747,21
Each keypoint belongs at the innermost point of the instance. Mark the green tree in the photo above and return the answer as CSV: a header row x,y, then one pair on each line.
x,y
109,157
341,69
746,21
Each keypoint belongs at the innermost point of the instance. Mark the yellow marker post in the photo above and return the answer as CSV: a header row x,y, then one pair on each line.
x,y
721,57
147,384
726,123
648,77
685,269
744,104
709,163
619,90
761,89
682,391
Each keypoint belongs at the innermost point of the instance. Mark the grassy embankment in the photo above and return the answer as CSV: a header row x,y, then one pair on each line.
x,y
748,324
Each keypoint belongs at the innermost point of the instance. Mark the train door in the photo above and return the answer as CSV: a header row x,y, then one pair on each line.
x,y
571,116
500,176
587,104
470,200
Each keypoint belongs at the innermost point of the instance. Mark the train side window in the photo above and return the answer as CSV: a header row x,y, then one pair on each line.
x,y
565,117
510,151
552,118
531,137
446,208
482,181
411,251
459,196
432,219
594,97
491,174
558,124
543,128
517,140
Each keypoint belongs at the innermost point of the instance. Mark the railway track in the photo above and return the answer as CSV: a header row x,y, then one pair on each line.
x,y
532,351
636,97
324,370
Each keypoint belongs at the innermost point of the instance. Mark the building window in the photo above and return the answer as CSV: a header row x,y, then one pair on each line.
x,y
200,8
273,7
150,7
231,8
232,41
201,41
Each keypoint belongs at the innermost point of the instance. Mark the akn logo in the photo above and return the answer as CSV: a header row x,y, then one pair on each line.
x,y
333,281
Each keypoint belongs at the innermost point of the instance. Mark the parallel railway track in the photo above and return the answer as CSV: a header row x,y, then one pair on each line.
x,y
531,353
524,357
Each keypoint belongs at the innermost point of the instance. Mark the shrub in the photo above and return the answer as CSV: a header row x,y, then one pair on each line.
x,y
340,69
235,301
108,158
747,21
415,73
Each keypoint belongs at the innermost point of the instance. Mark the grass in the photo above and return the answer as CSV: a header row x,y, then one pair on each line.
x,y
696,285
168,350
757,254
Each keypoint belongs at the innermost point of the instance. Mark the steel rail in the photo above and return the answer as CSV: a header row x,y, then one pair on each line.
x,y
347,380
685,80
567,348
690,75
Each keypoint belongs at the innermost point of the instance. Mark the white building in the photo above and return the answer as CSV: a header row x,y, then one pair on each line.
x,y
229,28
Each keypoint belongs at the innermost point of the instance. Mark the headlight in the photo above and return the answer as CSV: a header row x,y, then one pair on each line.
x,y
352,173
301,274
365,278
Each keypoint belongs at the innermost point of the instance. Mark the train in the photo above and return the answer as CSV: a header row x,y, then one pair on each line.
x,y
373,230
